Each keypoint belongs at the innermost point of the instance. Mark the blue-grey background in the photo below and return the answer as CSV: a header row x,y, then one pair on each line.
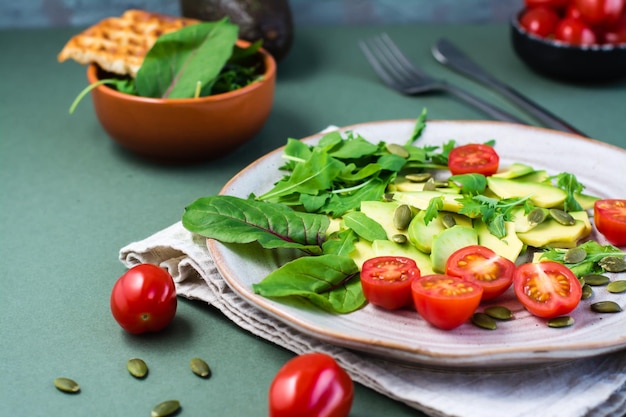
x,y
45,13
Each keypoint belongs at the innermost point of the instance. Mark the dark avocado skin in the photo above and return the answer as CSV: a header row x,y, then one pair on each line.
x,y
269,20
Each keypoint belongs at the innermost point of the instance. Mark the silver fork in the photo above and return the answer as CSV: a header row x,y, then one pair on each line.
x,y
395,69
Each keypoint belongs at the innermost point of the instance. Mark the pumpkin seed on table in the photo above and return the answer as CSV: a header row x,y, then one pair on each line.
x,y
166,408
200,367
66,385
616,287
587,292
137,368
482,320
606,307
562,321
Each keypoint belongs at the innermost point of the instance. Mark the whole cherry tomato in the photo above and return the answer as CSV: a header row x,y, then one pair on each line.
x,y
540,21
473,158
575,32
445,301
386,281
547,289
311,385
609,217
616,33
482,266
144,299
553,4
599,12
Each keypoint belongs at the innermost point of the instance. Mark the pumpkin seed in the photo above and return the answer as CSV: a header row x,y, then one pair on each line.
x,y
448,220
537,215
562,217
66,385
613,264
419,177
596,279
606,307
166,408
137,367
398,150
587,292
388,196
484,321
562,321
575,255
617,286
200,368
499,313
399,238
402,217
430,185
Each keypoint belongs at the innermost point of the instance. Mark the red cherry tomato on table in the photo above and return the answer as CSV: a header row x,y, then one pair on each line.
x,y
144,299
473,158
547,289
553,4
599,12
444,301
609,217
540,21
575,32
386,281
482,266
616,33
311,385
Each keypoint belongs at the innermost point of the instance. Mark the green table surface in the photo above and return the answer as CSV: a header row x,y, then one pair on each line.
x,y
70,199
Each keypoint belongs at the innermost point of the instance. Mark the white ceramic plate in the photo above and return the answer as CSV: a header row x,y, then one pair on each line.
x,y
405,336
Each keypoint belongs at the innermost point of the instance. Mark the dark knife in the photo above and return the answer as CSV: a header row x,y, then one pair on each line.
x,y
448,54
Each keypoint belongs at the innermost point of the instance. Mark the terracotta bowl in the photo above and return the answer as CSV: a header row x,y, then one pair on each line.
x,y
562,61
185,129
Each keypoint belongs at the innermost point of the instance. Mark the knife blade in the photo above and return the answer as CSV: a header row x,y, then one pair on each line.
x,y
448,54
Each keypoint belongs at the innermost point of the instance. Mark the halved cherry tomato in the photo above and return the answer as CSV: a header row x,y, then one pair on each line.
x,y
575,32
547,289
386,281
144,299
445,301
473,158
609,217
616,33
540,21
482,266
599,12
311,385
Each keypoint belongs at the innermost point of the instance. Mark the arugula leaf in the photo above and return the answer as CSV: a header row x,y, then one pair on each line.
x,y
235,220
494,212
569,183
420,125
330,282
595,253
364,226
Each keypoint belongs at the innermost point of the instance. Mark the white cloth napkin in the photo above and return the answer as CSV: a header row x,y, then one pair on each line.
x,y
591,387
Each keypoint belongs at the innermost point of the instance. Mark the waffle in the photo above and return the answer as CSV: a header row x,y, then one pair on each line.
x,y
119,44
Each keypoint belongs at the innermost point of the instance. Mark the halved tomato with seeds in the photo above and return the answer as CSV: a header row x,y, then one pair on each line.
x,y
547,289
445,301
386,281
484,267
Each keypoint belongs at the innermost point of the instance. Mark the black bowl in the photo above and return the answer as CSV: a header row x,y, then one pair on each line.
x,y
593,63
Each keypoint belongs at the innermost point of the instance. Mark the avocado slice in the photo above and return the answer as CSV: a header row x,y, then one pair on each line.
x,y
448,242
550,233
421,235
508,247
421,199
541,194
515,170
267,20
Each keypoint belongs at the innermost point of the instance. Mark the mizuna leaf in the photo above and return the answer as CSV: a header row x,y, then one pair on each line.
x,y
179,60
234,220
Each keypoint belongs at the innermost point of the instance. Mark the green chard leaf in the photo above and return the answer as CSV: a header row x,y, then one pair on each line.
x,y
364,226
330,282
340,243
235,220
470,183
179,60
